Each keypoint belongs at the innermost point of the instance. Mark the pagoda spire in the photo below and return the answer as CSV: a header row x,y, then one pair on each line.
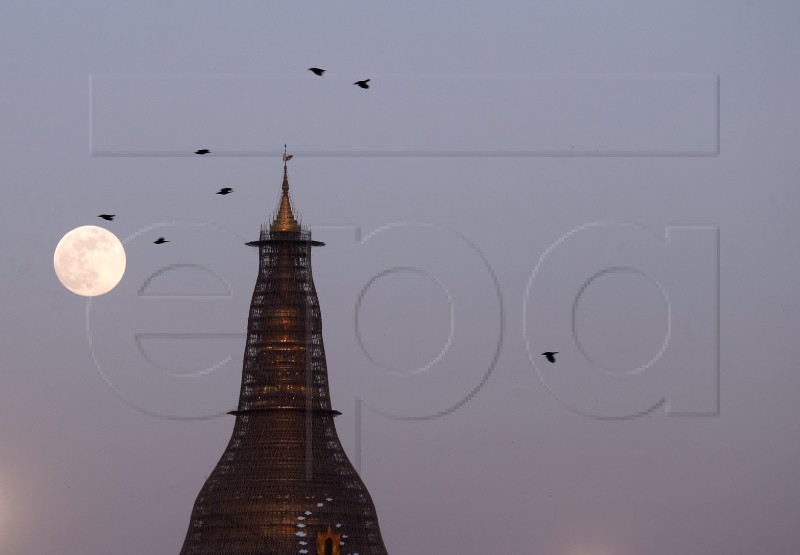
x,y
285,219
284,484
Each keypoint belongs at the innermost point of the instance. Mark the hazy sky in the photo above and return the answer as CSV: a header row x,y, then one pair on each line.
x,y
615,181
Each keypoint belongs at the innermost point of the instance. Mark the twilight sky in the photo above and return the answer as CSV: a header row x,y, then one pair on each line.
x,y
615,181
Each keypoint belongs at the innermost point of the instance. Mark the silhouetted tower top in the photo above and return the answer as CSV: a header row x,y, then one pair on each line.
x,y
284,484
284,363
284,220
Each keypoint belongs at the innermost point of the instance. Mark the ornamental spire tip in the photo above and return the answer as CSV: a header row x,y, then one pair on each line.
x,y
284,219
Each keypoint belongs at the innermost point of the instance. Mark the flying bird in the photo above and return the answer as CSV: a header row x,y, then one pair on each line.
x,y
316,71
551,356
225,191
107,217
362,84
202,151
160,240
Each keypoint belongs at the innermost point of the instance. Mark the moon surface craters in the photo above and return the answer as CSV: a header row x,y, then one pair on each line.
x,y
89,261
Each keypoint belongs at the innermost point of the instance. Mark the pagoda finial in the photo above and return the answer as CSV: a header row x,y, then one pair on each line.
x,y
286,158
285,220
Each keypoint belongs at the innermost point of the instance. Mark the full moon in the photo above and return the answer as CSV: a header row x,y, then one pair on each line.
x,y
89,261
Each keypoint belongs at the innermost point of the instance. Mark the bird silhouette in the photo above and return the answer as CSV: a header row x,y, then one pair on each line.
x,y
362,84
107,217
316,71
160,240
202,151
225,191
551,356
